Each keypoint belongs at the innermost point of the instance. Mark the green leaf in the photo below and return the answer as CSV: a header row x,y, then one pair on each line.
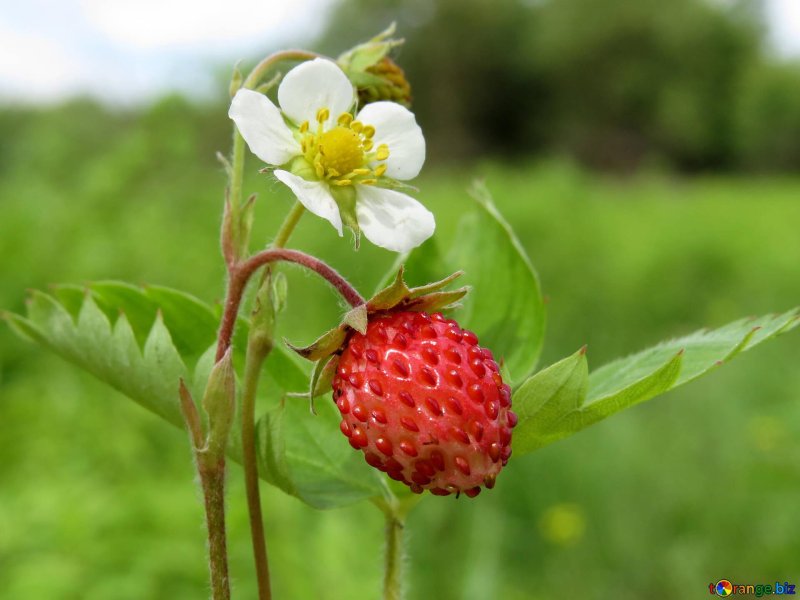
x,y
705,350
307,456
126,336
559,401
504,306
147,374
542,402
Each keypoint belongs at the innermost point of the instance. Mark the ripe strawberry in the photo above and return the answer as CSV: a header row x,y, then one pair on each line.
x,y
425,403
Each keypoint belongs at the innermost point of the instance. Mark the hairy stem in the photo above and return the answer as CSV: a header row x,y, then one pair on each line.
x,y
212,479
241,273
393,559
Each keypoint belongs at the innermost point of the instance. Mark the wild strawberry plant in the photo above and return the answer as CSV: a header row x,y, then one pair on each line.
x,y
424,388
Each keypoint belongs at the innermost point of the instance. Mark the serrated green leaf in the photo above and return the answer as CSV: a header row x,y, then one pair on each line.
x,y
557,402
97,335
704,350
115,297
191,323
307,456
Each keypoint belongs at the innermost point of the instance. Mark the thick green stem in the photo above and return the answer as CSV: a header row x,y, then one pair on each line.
x,y
393,560
212,479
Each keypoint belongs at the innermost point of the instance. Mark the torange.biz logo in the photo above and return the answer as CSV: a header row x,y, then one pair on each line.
x,y
725,588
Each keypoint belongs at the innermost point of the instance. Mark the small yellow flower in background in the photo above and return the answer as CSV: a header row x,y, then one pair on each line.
x,y
338,165
563,524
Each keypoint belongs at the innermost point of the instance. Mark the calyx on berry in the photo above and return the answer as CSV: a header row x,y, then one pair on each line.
x,y
396,297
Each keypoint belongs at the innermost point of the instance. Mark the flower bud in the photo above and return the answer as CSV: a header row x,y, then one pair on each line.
x,y
388,82
219,402
373,73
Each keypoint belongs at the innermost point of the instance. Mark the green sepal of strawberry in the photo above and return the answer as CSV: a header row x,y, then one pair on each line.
x,y
395,297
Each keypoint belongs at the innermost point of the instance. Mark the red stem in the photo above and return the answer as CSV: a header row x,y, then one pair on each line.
x,y
240,274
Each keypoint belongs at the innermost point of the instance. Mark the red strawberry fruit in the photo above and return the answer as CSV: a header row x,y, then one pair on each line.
x,y
425,403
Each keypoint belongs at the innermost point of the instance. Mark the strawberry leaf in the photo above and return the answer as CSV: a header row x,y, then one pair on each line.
x,y
307,456
563,399
142,341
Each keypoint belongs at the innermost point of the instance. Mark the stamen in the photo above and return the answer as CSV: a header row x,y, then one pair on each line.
x,y
323,114
344,119
383,152
333,173
303,127
361,171
380,170
357,126
367,145
342,182
368,131
369,181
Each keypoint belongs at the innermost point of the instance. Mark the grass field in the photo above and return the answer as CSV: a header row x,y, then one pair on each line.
x,y
97,499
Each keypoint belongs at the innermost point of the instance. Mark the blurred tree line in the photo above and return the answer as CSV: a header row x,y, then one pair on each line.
x,y
611,83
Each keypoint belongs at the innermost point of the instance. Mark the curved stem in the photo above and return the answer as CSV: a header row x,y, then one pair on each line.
x,y
258,349
242,272
262,68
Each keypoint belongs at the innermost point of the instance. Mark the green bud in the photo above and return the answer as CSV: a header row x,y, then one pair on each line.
x,y
363,56
265,309
373,73
280,291
219,402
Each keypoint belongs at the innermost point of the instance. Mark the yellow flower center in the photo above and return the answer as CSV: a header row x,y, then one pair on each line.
x,y
340,150
343,154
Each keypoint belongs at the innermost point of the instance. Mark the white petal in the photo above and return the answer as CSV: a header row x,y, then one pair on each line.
x,y
315,196
313,85
392,220
262,127
396,127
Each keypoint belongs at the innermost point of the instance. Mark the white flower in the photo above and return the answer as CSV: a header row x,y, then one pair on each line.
x,y
335,164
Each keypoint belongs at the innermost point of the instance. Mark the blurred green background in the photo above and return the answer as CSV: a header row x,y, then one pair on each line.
x,y
646,154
